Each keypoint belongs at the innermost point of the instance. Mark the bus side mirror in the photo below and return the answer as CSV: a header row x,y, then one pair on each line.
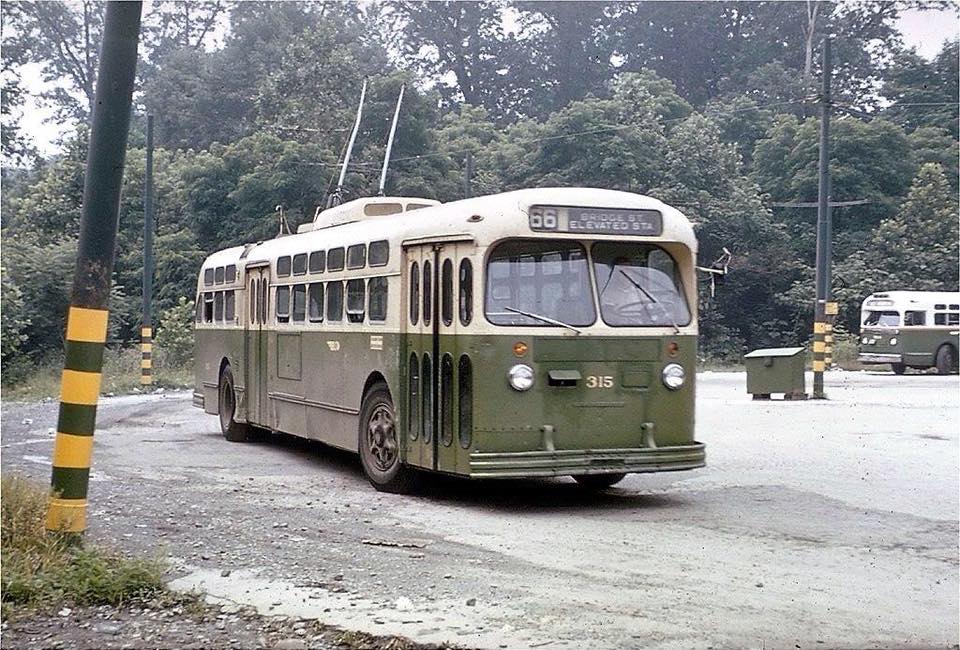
x,y
718,270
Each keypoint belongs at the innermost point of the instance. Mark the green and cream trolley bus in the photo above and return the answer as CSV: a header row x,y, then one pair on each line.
x,y
911,329
542,332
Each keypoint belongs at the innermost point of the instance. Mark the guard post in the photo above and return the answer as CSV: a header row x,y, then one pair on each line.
x,y
89,301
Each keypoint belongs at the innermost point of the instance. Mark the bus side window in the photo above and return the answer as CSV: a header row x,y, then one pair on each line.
x,y
377,289
334,301
315,311
283,266
229,306
355,300
198,307
208,307
318,260
218,307
263,300
446,302
914,318
283,305
427,292
299,302
413,408
414,293
252,299
426,412
945,318
300,264
466,292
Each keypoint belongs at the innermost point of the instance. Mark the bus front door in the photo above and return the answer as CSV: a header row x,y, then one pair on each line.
x,y
420,406
255,381
433,320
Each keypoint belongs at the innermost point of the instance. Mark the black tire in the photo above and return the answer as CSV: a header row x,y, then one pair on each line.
x,y
598,481
945,360
378,442
898,368
227,407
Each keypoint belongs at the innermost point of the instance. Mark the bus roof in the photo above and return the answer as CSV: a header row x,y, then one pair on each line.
x,y
484,219
902,299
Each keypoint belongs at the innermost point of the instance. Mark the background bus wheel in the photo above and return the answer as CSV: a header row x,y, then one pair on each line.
x,y
898,368
379,443
598,481
945,360
227,407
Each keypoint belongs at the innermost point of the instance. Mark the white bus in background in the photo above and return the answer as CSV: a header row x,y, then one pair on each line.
x,y
911,329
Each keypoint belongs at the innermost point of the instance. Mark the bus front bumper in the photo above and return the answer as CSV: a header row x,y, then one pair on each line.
x,y
877,357
570,462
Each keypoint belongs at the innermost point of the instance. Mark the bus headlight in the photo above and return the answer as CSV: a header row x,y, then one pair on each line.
x,y
864,340
893,341
521,377
673,376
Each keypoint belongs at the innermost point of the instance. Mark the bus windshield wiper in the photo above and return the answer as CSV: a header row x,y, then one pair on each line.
x,y
676,328
545,319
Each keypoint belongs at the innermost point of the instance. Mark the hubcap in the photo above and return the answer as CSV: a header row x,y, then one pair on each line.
x,y
226,410
382,438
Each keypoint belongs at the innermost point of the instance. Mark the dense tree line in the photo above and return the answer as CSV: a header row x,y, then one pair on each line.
x,y
708,106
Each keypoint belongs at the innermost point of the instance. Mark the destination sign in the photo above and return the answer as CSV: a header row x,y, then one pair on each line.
x,y
596,221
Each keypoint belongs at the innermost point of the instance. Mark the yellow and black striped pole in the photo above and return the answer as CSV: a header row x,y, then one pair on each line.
x,y
87,316
146,329
824,233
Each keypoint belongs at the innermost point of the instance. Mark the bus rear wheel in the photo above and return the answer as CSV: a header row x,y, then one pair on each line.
x,y
227,408
379,443
898,368
598,481
945,361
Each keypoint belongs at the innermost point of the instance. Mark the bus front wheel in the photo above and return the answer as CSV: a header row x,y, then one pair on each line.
x,y
379,442
227,407
598,481
945,361
898,368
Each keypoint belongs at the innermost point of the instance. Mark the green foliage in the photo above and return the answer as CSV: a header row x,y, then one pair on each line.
x,y
42,569
14,323
175,333
915,249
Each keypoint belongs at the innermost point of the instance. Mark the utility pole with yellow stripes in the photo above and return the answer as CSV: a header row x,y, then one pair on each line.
x,y
87,316
824,228
146,327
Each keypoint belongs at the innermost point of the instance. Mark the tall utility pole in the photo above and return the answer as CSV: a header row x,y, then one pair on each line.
x,y
88,312
146,327
821,328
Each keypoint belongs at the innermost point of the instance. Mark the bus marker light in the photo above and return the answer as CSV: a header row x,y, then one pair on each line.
x,y
673,376
673,348
521,377
519,348
893,341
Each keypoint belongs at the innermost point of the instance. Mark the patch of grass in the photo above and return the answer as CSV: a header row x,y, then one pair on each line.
x,y
121,375
43,569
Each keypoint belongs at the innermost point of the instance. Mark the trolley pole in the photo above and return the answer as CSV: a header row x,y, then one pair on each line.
x,y
824,233
146,328
88,312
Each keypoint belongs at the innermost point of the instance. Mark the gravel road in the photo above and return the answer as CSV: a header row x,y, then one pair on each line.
x,y
815,524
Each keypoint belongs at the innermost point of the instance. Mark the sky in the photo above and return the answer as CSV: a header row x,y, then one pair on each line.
x,y
924,30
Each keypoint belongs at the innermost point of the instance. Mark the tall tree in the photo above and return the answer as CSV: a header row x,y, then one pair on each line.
x,y
465,40
64,38
924,93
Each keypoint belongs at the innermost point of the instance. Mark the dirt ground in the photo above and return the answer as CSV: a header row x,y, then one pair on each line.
x,y
816,524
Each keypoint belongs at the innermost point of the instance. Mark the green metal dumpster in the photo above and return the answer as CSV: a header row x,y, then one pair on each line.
x,y
775,370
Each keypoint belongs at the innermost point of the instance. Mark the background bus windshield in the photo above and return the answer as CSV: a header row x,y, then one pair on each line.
x,y
882,319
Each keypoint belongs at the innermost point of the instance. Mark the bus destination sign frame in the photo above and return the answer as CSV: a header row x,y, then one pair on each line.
x,y
595,221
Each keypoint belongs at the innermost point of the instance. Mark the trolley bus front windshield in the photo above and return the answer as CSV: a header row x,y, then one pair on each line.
x,y
532,283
